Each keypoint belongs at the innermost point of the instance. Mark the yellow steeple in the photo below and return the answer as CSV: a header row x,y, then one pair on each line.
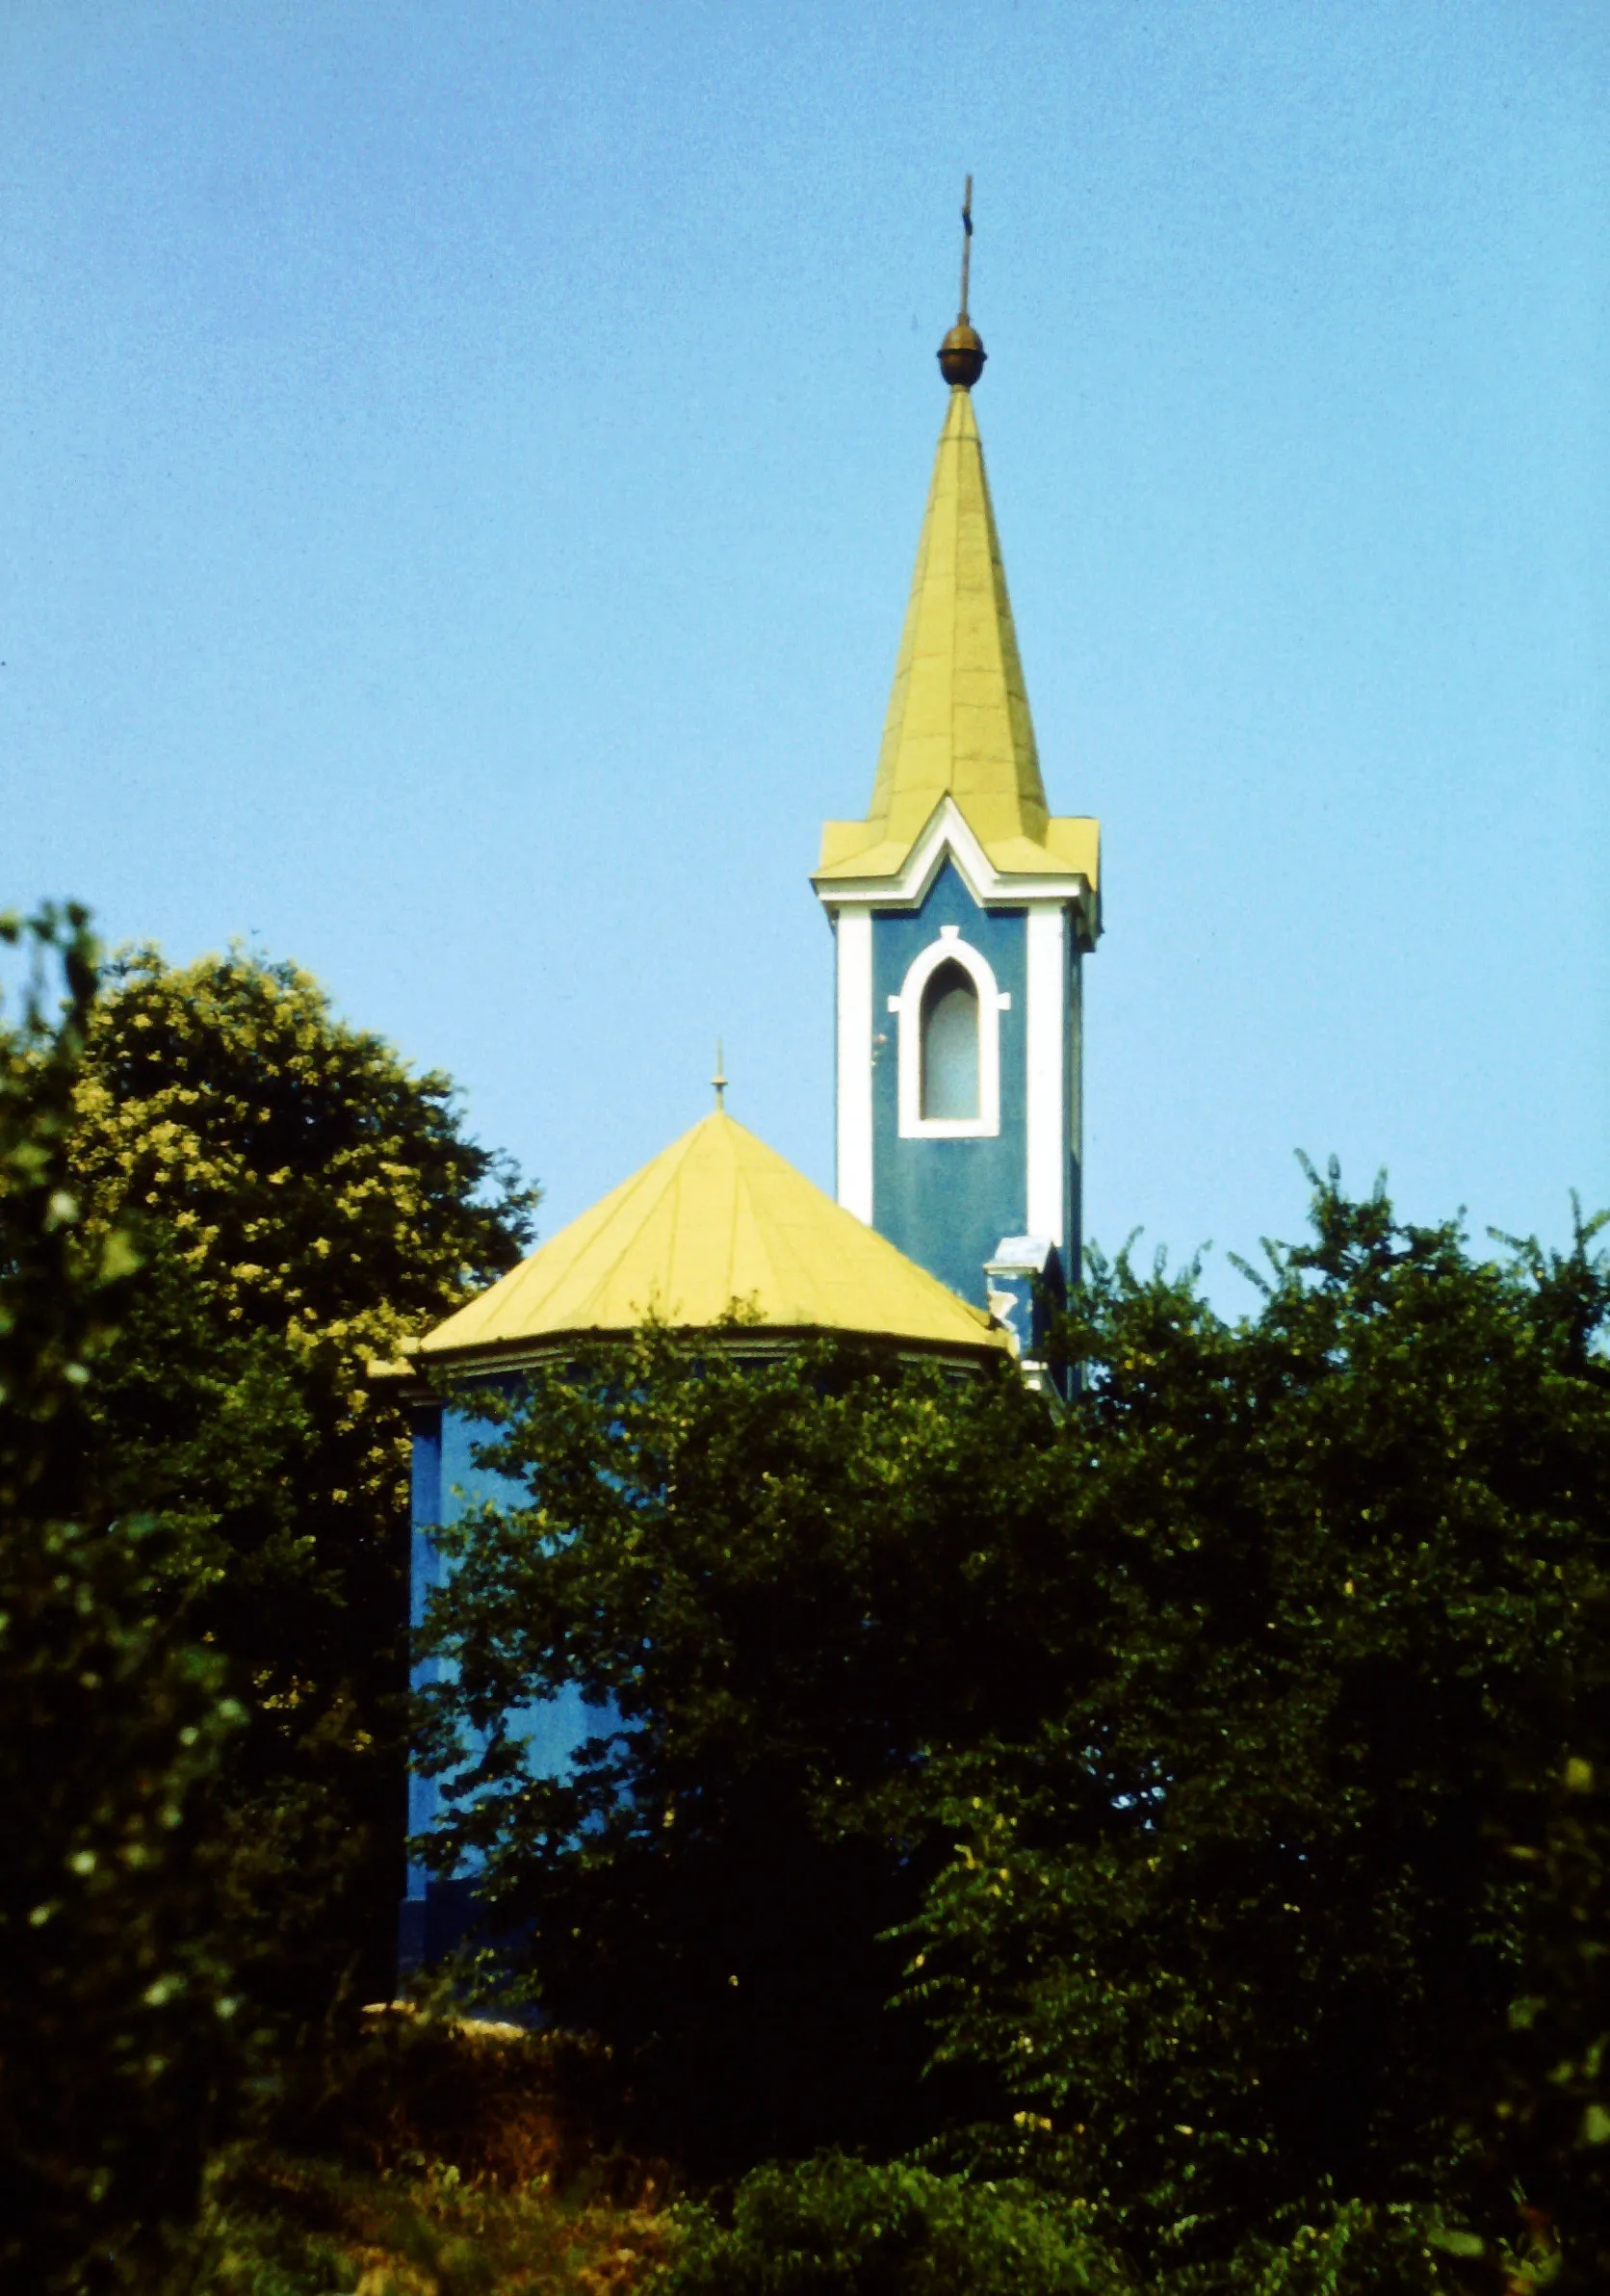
x,y
958,720
958,723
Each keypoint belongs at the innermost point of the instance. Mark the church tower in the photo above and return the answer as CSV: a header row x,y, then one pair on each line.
x,y
962,910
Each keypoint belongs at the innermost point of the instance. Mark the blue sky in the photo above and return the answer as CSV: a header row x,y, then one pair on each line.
x,y
461,467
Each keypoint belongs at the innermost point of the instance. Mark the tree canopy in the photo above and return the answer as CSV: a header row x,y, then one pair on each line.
x,y
779,1582
216,1203
1191,1804
1242,1924
303,1201
117,2004
1230,1756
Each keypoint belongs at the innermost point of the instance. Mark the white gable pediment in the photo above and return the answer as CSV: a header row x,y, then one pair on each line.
x,y
949,836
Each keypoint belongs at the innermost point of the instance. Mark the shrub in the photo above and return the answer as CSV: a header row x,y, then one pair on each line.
x,y
838,2227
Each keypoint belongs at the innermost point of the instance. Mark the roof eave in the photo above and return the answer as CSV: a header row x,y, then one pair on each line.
x,y
419,1379
947,833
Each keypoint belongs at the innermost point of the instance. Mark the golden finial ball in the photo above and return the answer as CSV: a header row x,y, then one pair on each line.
x,y
962,355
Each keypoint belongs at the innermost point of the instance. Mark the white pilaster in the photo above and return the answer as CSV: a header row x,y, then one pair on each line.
x,y
854,938
1044,1031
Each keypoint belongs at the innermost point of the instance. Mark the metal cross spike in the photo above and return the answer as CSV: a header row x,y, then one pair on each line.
x,y
967,247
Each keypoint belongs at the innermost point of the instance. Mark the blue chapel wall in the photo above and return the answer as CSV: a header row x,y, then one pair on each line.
x,y
946,1203
448,1482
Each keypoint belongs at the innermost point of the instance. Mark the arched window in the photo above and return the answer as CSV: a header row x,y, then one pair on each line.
x,y
949,1010
950,1044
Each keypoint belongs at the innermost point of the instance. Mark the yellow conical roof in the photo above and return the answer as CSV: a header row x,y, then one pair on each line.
x,y
958,722
958,717
716,1218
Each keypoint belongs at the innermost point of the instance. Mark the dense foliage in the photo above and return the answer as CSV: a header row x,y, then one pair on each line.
x,y
216,1203
117,2002
838,2227
783,1579
1233,1751
305,1201
1246,1921
1187,1814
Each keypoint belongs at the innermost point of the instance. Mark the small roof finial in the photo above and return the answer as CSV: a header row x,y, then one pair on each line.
x,y
962,353
719,1080
967,246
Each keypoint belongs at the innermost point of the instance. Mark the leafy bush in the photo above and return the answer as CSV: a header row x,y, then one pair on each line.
x,y
117,1998
835,2227
1357,2249
839,2227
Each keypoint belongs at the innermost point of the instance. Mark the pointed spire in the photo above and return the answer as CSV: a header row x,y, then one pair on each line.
x,y
958,725
958,720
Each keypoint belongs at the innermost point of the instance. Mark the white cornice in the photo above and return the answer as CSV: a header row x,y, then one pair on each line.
x,y
947,835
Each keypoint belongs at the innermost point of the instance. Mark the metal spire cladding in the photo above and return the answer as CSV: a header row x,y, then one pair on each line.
x,y
958,719
958,725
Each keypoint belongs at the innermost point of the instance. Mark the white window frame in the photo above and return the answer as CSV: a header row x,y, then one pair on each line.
x,y
950,948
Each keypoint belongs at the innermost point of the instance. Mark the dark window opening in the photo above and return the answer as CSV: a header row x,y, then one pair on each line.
x,y
950,1045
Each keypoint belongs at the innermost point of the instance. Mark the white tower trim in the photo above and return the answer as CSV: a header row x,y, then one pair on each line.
x,y
855,939
1045,1030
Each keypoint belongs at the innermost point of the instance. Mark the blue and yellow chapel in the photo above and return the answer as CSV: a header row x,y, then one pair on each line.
x,y
962,910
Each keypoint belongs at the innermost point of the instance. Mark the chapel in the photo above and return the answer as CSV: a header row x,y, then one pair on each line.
x,y
961,910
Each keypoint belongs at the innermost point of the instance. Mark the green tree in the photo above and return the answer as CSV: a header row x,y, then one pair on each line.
x,y
1201,1725
305,1202
115,2004
784,1582
1546,2118
1235,1928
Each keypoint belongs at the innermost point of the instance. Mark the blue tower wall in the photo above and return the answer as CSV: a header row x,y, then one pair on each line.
x,y
448,1482
946,1203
